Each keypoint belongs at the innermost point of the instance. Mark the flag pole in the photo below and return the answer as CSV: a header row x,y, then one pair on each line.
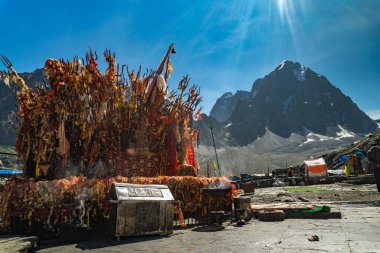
x,y
213,142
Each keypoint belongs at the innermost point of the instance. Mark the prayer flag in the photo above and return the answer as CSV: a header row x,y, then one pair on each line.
x,y
169,69
214,163
198,115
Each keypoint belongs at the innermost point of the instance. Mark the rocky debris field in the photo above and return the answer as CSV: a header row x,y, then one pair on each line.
x,y
338,192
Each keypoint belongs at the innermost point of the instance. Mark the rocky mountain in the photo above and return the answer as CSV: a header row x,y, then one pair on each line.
x,y
226,104
289,115
8,106
291,99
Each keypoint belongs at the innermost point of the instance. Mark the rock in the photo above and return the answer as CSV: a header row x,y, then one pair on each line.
x,y
303,199
278,183
313,238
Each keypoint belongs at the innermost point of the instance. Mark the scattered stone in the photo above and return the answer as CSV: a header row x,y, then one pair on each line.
x,y
303,199
313,238
288,200
278,183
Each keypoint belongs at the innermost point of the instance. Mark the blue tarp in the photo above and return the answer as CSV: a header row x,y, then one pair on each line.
x,y
343,158
359,153
9,171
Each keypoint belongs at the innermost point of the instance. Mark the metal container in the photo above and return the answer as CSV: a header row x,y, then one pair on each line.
x,y
218,210
140,210
248,187
241,203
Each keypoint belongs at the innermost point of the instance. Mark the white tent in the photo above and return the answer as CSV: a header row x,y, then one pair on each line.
x,y
316,168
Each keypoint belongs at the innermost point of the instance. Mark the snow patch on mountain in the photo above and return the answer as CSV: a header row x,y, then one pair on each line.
x,y
228,125
300,73
282,64
316,137
344,133
340,135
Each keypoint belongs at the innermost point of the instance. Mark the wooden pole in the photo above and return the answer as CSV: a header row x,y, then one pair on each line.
x,y
213,142
5,153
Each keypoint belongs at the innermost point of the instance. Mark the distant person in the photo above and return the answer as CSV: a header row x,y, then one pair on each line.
x,y
355,163
290,171
374,159
360,158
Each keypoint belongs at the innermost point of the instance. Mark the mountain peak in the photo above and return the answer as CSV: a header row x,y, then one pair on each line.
x,y
226,104
297,68
288,64
226,95
288,100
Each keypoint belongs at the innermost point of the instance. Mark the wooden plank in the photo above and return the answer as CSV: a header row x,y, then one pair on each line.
x,y
282,206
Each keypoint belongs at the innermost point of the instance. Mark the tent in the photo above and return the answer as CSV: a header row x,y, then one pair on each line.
x,y
316,168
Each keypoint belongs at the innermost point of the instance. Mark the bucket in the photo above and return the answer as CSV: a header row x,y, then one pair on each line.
x,y
240,203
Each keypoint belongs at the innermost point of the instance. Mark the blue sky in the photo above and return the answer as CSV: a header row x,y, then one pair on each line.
x,y
223,45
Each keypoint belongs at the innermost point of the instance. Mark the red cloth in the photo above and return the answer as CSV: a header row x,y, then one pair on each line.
x,y
190,154
64,145
171,145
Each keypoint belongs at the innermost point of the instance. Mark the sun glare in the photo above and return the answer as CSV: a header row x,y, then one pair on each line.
x,y
280,5
285,9
288,17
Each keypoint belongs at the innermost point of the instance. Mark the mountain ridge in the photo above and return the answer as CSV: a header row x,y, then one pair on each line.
x,y
290,99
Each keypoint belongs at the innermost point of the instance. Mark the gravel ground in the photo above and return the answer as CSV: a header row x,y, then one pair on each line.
x,y
357,231
339,192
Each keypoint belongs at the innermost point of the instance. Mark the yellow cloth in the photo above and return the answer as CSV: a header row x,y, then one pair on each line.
x,y
346,170
347,167
214,164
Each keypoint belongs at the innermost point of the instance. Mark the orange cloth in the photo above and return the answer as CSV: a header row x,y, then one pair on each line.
x,y
181,217
190,154
317,168
64,146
